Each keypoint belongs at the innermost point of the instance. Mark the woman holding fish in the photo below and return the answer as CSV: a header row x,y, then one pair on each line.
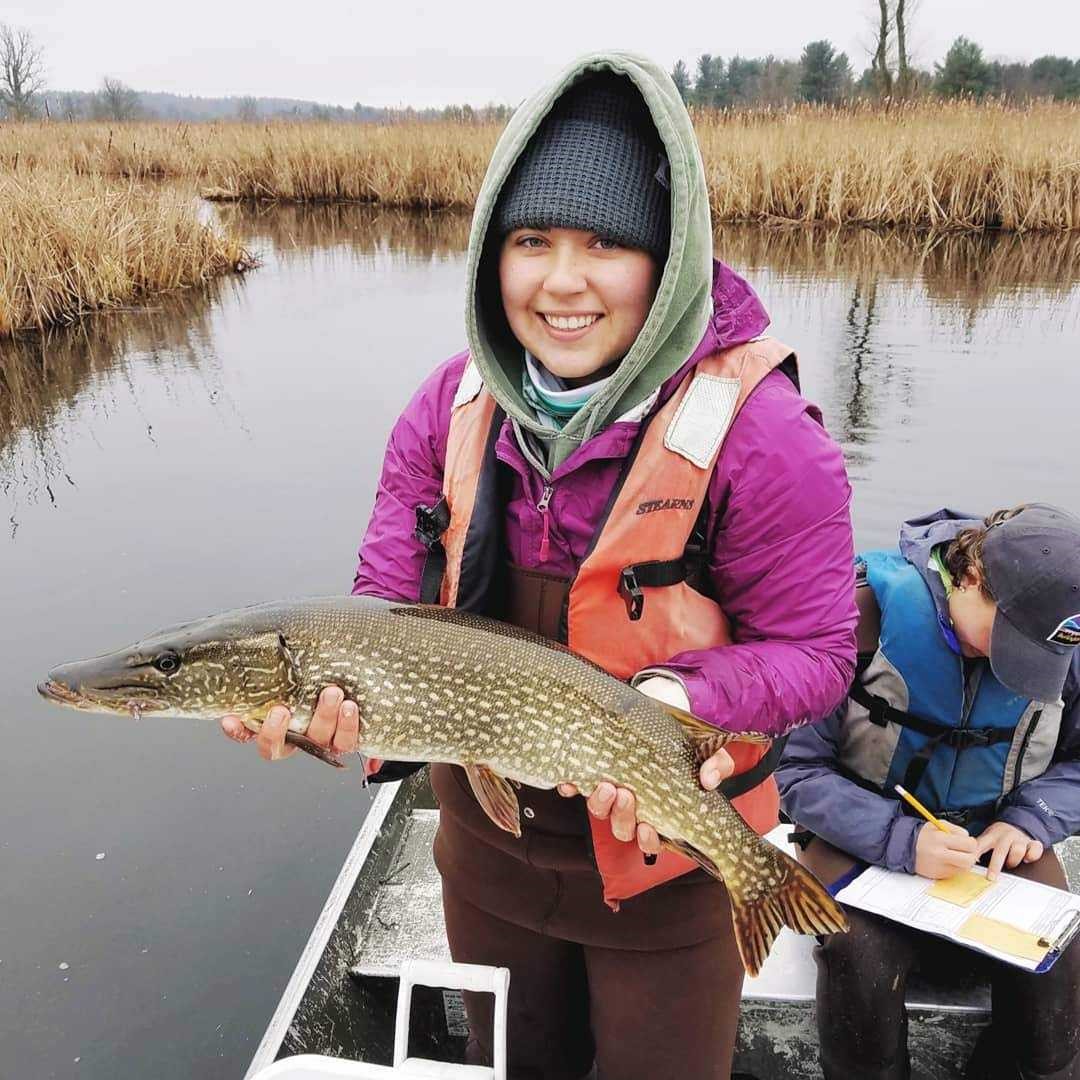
x,y
623,463
968,696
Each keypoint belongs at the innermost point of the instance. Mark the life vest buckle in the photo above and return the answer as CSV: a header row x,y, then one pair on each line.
x,y
966,738
630,590
431,523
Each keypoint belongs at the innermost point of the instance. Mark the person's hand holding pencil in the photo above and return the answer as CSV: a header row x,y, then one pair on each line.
x,y
941,848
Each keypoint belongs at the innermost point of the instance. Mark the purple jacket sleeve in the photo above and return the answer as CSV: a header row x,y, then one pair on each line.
x,y
391,559
1047,808
781,569
860,822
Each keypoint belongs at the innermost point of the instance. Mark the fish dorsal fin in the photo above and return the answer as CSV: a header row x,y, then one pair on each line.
x,y
496,796
705,738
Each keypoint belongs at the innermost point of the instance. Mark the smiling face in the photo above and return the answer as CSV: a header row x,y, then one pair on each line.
x,y
576,300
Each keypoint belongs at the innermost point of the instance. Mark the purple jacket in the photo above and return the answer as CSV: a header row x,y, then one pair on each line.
x,y
779,517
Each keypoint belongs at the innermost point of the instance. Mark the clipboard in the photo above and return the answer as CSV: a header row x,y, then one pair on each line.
x,y
1053,914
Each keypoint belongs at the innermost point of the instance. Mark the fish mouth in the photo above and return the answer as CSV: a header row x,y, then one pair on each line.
x,y
52,690
120,699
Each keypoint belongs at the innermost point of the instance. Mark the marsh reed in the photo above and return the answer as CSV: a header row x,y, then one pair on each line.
x,y
72,244
933,165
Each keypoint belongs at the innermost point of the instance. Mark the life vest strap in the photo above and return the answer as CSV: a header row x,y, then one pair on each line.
x,y
632,579
691,568
735,786
982,812
959,738
431,523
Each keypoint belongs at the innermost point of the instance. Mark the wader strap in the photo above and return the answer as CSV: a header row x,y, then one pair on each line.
x,y
431,523
741,784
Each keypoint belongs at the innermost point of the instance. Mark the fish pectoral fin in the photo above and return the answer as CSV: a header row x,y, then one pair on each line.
x,y
309,746
496,796
707,739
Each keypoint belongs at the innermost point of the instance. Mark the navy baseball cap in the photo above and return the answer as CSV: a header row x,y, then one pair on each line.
x,y
1032,563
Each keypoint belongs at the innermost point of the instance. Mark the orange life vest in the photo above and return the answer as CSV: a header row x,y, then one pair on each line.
x,y
676,454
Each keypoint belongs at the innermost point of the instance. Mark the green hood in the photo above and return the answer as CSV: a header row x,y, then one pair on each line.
x,y
683,304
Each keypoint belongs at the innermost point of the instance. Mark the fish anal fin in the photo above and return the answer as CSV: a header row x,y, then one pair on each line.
x,y
681,847
707,739
800,902
496,796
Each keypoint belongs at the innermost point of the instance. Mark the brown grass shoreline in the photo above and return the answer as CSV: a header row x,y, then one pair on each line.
x,y
84,224
71,245
929,165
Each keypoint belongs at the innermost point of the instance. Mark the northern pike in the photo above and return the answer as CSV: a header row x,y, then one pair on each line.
x,y
440,684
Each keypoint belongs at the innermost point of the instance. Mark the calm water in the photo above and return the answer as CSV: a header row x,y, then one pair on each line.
x,y
221,449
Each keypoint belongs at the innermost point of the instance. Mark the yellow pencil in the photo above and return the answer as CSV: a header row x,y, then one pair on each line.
x,y
912,801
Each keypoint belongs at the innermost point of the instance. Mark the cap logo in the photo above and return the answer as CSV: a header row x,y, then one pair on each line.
x,y
1067,632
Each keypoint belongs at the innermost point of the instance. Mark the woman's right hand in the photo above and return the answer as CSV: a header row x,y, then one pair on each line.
x,y
335,723
941,854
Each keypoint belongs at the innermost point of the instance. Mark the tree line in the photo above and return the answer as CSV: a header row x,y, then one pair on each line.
x,y
823,75
820,75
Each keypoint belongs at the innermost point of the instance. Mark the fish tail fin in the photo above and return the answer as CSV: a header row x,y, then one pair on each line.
x,y
798,901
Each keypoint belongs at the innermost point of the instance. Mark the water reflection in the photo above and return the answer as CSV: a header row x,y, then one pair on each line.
x,y
974,269
46,379
366,230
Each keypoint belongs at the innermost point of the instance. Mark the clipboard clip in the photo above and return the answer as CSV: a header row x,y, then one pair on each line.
x,y
1068,932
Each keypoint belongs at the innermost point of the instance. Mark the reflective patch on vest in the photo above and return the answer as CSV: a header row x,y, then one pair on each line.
x,y
1033,745
1067,631
471,384
702,419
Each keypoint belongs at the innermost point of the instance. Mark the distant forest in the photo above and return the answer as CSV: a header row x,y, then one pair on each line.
x,y
122,103
820,75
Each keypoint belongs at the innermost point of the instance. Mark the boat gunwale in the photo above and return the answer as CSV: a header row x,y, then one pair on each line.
x,y
325,925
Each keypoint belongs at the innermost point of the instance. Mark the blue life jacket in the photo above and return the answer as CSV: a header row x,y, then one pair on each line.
x,y
918,716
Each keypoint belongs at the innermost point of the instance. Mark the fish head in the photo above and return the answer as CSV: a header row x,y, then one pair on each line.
x,y
238,663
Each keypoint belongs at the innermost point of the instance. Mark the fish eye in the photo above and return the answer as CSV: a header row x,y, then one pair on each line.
x,y
167,663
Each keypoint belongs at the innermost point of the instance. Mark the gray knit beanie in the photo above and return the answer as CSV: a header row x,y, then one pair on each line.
x,y
595,163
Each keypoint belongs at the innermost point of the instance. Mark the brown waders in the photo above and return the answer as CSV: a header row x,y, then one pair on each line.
x,y
862,976
649,992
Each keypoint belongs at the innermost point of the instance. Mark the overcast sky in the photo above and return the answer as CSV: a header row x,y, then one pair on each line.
x,y
423,52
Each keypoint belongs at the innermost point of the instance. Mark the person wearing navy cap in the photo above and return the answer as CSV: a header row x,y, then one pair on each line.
x,y
967,693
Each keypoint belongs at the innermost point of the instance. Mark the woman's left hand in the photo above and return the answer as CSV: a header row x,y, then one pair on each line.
x,y
618,803
1010,846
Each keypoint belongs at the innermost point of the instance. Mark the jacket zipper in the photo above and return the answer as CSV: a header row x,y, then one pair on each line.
x,y
545,535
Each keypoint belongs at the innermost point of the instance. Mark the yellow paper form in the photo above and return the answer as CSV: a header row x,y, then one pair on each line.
x,y
1003,937
961,889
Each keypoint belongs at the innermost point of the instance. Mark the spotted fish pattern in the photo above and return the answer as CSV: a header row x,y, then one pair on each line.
x,y
438,684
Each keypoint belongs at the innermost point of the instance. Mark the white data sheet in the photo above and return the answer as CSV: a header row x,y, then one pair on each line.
x,y
1052,914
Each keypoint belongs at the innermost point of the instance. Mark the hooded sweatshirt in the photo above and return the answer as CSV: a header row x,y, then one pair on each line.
x,y
683,302
876,829
779,499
